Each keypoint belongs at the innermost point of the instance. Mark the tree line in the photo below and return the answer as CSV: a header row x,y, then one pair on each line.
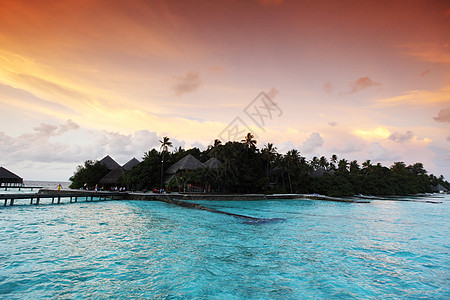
x,y
247,169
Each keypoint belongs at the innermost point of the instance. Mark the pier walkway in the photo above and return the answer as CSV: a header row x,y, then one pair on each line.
x,y
59,197
19,187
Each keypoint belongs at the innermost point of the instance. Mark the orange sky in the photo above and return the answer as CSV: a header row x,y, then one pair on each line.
x,y
361,79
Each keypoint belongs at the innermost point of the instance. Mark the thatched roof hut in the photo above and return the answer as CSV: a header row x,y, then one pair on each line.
x,y
130,164
212,163
320,172
112,177
439,189
8,178
110,163
186,163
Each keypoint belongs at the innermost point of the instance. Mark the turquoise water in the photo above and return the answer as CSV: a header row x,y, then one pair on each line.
x,y
152,250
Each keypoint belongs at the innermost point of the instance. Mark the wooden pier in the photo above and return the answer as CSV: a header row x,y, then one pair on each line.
x,y
35,198
19,188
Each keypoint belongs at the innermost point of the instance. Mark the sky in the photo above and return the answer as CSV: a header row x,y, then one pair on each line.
x,y
82,79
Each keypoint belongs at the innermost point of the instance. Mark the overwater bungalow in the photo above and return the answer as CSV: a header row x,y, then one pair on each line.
x,y
8,178
185,165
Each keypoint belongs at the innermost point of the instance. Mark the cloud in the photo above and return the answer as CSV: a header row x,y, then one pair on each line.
x,y
312,143
448,138
273,93
361,84
185,84
417,97
216,69
379,153
379,132
424,73
70,125
443,116
349,148
332,123
399,137
431,52
327,87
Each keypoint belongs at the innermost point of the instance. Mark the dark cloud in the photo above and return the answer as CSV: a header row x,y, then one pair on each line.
x,y
312,143
401,137
443,116
185,84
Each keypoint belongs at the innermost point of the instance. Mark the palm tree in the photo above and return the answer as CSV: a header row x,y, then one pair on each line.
x,y
248,141
343,165
291,158
165,144
315,163
215,147
334,160
323,162
354,167
269,153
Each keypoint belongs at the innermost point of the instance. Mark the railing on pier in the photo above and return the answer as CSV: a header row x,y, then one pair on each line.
x,y
35,198
19,187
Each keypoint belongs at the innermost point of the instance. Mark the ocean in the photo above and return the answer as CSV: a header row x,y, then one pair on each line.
x,y
385,249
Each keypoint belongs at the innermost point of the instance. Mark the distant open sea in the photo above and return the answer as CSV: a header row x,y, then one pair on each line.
x,y
47,184
154,250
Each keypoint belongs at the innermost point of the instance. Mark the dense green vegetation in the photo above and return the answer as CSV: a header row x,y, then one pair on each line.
x,y
89,174
247,169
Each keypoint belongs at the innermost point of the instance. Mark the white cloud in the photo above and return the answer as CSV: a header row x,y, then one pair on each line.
x,y
312,143
377,152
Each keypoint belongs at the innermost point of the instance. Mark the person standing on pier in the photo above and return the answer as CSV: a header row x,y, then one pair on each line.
x,y
59,187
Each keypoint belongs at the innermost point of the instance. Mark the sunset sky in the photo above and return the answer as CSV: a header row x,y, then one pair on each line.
x,y
80,79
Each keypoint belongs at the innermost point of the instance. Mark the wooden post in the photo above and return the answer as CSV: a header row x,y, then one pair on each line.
x,y
76,199
59,199
53,200
11,202
31,201
6,201
37,200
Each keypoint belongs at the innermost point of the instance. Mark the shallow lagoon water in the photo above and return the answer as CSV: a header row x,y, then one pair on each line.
x,y
141,250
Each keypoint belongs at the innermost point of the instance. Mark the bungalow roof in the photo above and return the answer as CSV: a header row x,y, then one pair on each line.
x,y
212,163
112,176
7,176
186,163
110,163
130,164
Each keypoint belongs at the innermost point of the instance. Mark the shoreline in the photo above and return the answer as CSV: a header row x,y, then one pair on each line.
x,y
201,196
